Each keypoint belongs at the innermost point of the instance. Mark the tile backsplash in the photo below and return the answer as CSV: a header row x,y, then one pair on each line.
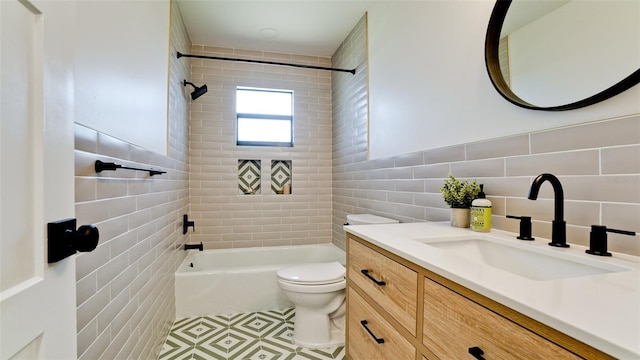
x,y
601,183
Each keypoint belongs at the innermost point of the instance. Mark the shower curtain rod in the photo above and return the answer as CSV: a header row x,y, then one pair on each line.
x,y
352,71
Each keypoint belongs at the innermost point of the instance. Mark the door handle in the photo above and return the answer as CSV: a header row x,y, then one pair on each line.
x,y
64,240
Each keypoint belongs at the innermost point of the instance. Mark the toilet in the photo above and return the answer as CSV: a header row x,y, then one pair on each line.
x,y
317,291
368,219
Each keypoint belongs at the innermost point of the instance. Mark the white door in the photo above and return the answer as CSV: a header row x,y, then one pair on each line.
x,y
37,299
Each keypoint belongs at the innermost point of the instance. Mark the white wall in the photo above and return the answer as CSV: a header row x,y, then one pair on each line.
x,y
122,69
566,56
429,88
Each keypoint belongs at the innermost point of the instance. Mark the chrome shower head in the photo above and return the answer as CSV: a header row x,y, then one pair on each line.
x,y
198,91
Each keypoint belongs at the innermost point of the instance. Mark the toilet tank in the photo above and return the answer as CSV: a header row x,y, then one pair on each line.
x,y
368,219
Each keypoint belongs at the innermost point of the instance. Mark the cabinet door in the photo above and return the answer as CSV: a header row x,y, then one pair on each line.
x,y
453,324
399,294
362,343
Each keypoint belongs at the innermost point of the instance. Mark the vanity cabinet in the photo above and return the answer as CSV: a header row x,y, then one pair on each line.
x,y
454,324
388,283
371,336
421,315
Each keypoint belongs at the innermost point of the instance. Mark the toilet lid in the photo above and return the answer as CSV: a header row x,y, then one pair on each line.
x,y
313,273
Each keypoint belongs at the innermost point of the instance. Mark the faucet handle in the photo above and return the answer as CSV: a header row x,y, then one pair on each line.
x,y
525,227
186,224
598,239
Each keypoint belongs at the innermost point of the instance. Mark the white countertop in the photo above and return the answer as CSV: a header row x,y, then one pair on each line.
x,y
600,310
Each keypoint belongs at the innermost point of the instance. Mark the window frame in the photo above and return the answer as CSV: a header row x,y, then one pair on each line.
x,y
264,117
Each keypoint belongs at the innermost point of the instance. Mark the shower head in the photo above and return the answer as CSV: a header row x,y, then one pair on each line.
x,y
197,91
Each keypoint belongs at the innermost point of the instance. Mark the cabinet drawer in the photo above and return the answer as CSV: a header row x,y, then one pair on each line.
x,y
399,293
362,345
453,324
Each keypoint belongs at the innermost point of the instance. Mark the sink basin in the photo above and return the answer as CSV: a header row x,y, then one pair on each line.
x,y
531,262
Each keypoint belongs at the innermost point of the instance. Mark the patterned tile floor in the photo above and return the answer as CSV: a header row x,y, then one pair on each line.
x,y
263,335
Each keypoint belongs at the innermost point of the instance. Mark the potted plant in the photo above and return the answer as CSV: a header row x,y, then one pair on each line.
x,y
459,195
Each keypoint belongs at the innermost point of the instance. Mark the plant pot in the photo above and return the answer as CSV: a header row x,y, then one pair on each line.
x,y
460,217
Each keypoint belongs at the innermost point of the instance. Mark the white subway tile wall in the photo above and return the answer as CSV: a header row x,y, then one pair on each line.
x,y
226,219
125,289
350,124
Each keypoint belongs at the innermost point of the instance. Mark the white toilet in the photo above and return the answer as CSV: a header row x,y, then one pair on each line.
x,y
368,219
317,291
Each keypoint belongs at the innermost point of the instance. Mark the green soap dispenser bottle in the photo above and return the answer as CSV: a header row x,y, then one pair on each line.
x,y
481,212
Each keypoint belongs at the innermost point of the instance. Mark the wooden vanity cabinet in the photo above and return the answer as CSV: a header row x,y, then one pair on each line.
x,y
454,324
385,297
371,337
387,282
423,316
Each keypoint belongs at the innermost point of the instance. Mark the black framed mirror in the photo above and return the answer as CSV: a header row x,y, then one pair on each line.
x,y
512,85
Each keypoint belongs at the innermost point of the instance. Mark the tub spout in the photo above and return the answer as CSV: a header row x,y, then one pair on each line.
x,y
558,226
194,246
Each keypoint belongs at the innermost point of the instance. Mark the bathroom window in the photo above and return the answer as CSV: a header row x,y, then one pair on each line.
x,y
264,117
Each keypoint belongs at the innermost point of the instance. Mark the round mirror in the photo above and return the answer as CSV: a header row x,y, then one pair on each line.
x,y
564,54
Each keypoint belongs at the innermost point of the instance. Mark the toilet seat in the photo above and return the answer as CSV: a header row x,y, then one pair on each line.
x,y
313,273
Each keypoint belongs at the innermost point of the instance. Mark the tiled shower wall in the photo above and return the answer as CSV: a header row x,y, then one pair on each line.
x,y
125,288
350,122
598,164
223,217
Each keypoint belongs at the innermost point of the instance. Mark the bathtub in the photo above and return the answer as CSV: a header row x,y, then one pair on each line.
x,y
227,281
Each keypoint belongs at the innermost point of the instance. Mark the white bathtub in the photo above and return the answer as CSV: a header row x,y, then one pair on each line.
x,y
226,281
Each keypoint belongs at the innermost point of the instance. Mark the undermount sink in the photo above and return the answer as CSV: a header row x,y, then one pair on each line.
x,y
531,262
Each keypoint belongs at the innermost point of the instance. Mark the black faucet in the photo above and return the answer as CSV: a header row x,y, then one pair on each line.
x,y
598,239
199,247
186,224
558,226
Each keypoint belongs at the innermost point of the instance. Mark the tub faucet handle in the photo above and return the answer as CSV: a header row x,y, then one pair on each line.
x,y
186,224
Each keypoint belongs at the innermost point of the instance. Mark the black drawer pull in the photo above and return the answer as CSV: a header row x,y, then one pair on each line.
x,y
476,352
377,339
378,282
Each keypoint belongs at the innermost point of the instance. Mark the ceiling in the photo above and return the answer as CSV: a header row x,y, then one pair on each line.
x,y
303,27
522,13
